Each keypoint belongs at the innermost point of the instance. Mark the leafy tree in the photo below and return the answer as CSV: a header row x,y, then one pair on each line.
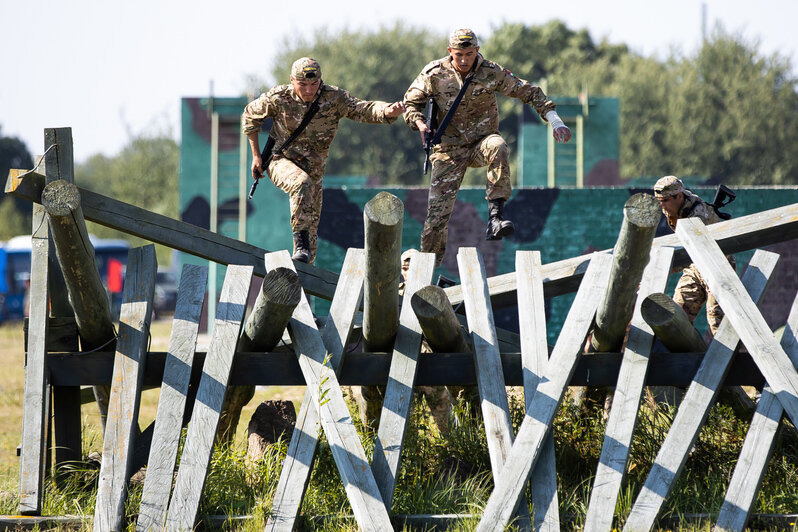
x,y
376,65
144,173
15,213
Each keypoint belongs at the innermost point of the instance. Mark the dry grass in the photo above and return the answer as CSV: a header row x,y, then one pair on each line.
x,y
12,389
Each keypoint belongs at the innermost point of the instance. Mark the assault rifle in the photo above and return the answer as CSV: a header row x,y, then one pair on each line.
x,y
432,125
265,157
723,196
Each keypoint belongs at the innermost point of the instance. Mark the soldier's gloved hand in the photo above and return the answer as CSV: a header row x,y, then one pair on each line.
x,y
562,134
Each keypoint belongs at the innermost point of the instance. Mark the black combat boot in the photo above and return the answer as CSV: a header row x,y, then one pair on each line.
x,y
302,246
498,227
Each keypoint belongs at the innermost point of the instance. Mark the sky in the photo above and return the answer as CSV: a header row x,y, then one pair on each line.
x,y
114,70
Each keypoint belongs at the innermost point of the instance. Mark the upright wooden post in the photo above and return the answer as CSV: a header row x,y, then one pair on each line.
x,y
75,254
278,296
641,215
123,407
383,217
671,324
695,406
549,394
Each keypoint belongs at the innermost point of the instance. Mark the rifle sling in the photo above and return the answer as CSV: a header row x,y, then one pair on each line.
x,y
314,107
436,139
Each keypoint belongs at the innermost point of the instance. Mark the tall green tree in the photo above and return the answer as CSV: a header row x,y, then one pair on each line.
x,y
374,65
15,213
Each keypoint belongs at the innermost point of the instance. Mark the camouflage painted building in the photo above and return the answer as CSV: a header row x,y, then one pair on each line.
x,y
561,222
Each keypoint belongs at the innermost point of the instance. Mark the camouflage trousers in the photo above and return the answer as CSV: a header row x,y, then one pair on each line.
x,y
692,293
304,197
448,168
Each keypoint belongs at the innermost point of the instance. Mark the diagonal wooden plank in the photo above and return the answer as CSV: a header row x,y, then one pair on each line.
x,y
35,404
126,383
336,421
401,379
295,472
724,284
626,400
534,358
490,376
695,406
525,452
172,401
198,447
758,446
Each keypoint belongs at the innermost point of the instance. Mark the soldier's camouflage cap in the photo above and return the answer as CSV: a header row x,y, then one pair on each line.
x,y
668,186
463,38
306,69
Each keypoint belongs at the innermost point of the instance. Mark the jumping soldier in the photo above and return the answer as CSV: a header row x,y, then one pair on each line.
x,y
297,164
469,136
691,291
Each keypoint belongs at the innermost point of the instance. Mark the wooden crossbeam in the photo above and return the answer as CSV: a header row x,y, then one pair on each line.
x,y
401,379
534,358
759,444
172,400
336,421
626,400
198,448
295,473
126,384
695,406
537,422
742,312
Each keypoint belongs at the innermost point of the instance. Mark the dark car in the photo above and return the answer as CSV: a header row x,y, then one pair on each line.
x,y
165,293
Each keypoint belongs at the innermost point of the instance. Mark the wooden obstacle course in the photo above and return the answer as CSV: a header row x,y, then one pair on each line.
x,y
319,362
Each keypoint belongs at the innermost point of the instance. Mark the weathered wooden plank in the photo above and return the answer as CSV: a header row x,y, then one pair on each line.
x,y
172,400
295,473
198,448
126,383
401,380
742,312
733,236
172,233
758,446
534,359
537,422
626,400
695,406
336,421
490,378
35,404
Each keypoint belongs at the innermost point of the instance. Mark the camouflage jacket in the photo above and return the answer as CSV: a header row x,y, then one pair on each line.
x,y
477,116
695,207
310,149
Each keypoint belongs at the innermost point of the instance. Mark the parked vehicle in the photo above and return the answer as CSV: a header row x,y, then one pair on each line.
x,y
165,297
109,254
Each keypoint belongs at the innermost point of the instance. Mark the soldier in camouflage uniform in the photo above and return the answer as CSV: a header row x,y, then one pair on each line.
x,y
298,170
691,291
472,137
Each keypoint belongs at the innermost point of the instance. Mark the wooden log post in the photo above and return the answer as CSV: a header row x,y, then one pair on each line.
x,y
277,299
641,215
671,324
75,253
438,321
382,217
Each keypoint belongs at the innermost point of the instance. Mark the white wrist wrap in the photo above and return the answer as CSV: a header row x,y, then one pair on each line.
x,y
554,119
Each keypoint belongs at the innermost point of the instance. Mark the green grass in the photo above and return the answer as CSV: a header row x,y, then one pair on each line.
x,y
442,472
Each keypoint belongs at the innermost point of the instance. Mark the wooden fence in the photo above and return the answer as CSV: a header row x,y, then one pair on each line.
x,y
55,366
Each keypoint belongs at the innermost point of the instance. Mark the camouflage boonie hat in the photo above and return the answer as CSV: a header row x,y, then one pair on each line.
x,y
306,69
668,186
463,38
